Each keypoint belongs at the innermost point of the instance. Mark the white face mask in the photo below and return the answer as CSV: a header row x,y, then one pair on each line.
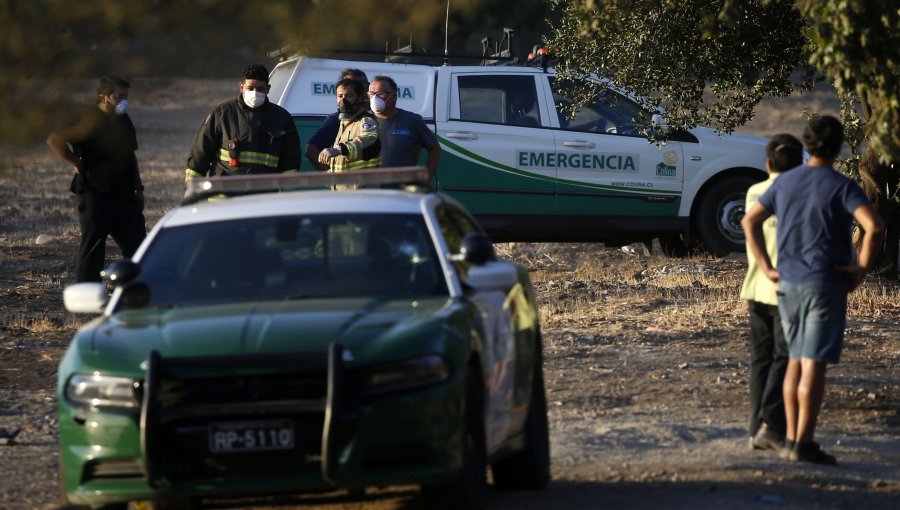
x,y
254,98
121,107
377,104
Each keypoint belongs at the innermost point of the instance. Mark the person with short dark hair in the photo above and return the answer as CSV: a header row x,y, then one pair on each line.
x,y
246,135
327,132
356,145
403,134
768,349
815,206
107,184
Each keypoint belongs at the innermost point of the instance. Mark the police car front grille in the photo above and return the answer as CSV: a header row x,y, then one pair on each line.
x,y
190,397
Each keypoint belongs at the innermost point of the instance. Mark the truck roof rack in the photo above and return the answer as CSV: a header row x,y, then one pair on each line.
x,y
411,178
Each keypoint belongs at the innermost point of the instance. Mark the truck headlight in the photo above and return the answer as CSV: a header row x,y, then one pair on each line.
x,y
96,390
408,374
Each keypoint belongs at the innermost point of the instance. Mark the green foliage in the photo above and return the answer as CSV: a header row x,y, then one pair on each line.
x,y
706,62
46,45
857,45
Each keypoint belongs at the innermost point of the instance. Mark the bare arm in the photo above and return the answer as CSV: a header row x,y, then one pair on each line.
x,y
312,154
753,233
434,158
873,231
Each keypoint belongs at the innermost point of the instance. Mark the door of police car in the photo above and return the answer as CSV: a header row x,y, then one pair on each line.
x,y
604,166
494,117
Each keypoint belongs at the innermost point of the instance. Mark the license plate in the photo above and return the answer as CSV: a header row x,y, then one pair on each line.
x,y
251,436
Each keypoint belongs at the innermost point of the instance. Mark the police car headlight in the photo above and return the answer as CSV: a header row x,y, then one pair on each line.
x,y
96,390
409,374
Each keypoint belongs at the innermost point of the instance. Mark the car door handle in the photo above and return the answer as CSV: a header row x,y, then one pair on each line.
x,y
579,144
461,135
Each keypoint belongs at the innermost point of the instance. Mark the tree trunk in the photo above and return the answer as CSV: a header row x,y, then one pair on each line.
x,y
881,182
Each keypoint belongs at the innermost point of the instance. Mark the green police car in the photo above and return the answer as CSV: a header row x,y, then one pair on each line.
x,y
299,341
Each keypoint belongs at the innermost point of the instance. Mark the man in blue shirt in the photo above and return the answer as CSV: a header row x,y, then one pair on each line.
x,y
815,206
403,134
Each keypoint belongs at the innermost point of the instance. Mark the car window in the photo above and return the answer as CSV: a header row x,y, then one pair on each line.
x,y
610,112
292,257
499,99
454,225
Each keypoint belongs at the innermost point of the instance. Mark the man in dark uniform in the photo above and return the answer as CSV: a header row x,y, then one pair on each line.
x,y
109,193
246,135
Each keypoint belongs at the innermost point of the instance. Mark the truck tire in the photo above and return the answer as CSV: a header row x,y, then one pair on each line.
x,y
718,219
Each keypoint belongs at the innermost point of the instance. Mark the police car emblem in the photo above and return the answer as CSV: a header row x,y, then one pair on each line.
x,y
670,157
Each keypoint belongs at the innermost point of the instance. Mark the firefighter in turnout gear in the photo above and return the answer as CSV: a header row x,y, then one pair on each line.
x,y
246,135
357,145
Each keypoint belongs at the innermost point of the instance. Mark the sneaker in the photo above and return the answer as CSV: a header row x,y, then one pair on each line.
x,y
810,451
767,438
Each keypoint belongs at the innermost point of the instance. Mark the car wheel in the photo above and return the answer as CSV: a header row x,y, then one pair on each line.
x,y
719,215
469,491
530,467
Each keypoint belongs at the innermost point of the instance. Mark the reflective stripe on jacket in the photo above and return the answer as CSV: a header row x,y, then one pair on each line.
x,y
266,141
359,144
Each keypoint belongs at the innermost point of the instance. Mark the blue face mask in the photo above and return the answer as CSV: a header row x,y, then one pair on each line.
x,y
122,107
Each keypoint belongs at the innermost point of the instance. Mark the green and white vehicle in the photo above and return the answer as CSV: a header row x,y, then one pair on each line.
x,y
530,172
304,341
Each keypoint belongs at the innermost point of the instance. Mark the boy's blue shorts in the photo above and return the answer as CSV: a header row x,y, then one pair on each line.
x,y
813,315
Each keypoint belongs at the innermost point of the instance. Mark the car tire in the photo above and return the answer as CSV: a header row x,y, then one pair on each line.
x,y
530,467
718,220
469,490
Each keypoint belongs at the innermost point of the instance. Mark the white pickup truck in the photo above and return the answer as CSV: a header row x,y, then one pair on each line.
x,y
530,171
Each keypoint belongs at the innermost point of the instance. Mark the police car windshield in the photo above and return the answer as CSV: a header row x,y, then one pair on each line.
x,y
283,257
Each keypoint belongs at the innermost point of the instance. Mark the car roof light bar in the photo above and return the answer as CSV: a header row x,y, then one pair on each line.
x,y
227,185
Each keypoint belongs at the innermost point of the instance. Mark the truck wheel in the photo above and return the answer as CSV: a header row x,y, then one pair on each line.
x,y
530,467
718,220
469,491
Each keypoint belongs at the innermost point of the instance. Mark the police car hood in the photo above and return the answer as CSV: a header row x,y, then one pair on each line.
x,y
263,328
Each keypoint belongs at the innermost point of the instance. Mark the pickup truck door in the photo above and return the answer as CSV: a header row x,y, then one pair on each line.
x,y
604,166
493,119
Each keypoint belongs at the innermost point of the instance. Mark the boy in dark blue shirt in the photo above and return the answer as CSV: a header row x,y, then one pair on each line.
x,y
815,206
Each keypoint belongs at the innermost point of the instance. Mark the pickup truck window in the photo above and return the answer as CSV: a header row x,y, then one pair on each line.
x,y
610,113
499,99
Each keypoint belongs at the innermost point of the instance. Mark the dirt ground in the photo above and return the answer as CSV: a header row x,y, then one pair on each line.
x,y
646,358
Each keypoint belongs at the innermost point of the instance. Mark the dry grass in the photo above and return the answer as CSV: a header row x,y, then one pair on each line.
x,y
592,286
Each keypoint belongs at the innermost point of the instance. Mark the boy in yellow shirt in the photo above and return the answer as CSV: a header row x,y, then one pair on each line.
x,y
768,349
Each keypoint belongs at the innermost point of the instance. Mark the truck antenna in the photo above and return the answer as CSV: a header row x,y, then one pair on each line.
x,y
446,31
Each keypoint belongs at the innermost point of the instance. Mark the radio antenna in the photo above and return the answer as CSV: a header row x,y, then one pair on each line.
x,y
446,31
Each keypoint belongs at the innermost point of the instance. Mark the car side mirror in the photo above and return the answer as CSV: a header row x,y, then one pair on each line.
x,y
493,276
121,272
476,249
86,297
659,122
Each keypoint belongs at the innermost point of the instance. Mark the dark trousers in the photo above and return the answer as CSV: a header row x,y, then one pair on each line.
x,y
768,362
101,216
